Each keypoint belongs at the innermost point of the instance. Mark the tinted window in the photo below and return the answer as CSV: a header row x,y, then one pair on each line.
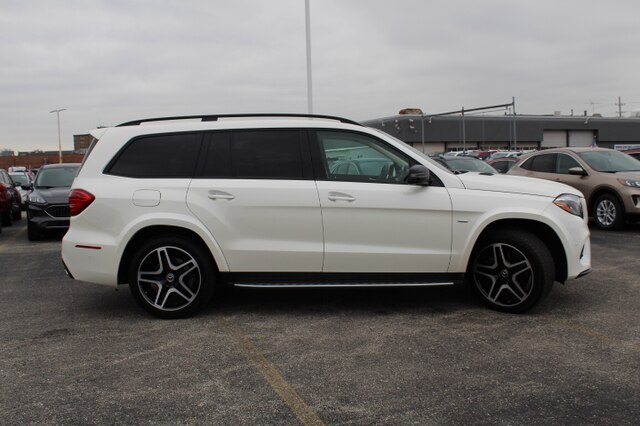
x,y
164,156
565,162
502,166
257,154
543,163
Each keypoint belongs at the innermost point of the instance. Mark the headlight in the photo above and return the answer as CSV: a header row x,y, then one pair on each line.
x,y
36,198
630,182
569,203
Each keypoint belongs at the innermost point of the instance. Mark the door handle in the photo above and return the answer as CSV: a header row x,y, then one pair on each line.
x,y
338,196
220,195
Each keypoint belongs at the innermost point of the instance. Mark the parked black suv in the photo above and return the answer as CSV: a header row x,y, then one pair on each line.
x,y
48,203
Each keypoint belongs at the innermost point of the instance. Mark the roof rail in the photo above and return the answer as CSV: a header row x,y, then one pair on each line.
x,y
217,116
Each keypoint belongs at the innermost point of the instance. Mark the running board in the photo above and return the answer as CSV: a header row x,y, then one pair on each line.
x,y
328,280
335,285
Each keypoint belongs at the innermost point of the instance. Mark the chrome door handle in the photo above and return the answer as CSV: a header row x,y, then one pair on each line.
x,y
337,196
220,195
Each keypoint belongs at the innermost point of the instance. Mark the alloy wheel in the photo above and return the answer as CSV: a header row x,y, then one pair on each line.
x,y
606,212
169,278
503,275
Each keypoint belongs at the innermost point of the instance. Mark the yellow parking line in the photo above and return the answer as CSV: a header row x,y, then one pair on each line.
x,y
288,394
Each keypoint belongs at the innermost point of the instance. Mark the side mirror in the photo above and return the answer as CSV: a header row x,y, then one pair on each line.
x,y
27,187
419,175
578,171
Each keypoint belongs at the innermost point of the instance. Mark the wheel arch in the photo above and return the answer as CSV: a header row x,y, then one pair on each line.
x,y
148,232
543,231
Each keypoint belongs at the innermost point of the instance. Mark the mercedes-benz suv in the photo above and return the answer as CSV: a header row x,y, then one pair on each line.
x,y
177,207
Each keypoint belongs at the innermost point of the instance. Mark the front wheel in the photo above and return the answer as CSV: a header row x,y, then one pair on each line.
x,y
7,218
171,277
511,270
33,233
607,212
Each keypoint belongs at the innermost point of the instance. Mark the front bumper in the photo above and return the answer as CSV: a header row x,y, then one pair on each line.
x,y
45,217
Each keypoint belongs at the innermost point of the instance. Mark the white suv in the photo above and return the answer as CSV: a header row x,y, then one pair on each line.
x,y
178,206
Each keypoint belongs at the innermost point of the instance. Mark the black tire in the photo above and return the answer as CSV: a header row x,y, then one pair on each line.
x,y
7,219
17,214
33,233
511,270
608,213
171,276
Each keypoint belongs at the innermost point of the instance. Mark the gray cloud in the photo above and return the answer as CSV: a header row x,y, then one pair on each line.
x,y
112,61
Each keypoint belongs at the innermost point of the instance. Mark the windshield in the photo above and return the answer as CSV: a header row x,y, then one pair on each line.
x,y
610,161
19,178
55,177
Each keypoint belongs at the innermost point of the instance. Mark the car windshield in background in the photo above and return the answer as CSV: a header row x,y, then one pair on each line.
x,y
610,161
19,178
56,177
469,165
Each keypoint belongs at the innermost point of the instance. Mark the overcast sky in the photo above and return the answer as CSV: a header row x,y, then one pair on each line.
x,y
112,61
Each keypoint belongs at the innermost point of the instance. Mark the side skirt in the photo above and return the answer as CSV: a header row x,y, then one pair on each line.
x,y
325,280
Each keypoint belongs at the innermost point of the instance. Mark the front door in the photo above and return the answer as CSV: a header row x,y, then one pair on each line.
x,y
373,221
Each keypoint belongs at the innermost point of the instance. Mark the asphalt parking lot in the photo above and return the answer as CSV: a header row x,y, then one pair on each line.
x,y
73,352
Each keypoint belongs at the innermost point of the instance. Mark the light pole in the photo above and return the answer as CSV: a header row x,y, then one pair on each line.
x,y
58,111
309,84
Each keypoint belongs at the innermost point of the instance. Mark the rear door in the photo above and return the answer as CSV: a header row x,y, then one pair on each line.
x,y
254,191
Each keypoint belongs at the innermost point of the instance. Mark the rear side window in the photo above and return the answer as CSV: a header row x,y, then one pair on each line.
x,y
255,154
161,156
545,163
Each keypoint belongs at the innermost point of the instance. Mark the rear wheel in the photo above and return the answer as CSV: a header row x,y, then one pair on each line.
x,y
511,270
171,277
608,213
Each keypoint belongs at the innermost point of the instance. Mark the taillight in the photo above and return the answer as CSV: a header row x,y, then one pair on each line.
x,y
79,199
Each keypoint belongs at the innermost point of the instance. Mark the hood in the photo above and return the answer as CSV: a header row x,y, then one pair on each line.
x,y
55,195
627,175
516,185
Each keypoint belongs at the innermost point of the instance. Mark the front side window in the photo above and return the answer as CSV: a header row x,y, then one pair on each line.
x,y
158,156
566,162
355,157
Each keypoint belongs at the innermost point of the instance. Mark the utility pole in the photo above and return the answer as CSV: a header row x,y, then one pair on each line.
x,y
58,111
464,135
620,104
515,138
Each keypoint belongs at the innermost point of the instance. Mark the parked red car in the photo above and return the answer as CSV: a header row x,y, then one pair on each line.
x,y
9,200
635,153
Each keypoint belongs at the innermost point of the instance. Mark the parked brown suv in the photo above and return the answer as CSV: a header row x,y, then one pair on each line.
x,y
609,180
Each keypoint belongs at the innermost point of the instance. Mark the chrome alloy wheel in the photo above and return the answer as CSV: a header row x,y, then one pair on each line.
x,y
503,275
606,212
169,278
